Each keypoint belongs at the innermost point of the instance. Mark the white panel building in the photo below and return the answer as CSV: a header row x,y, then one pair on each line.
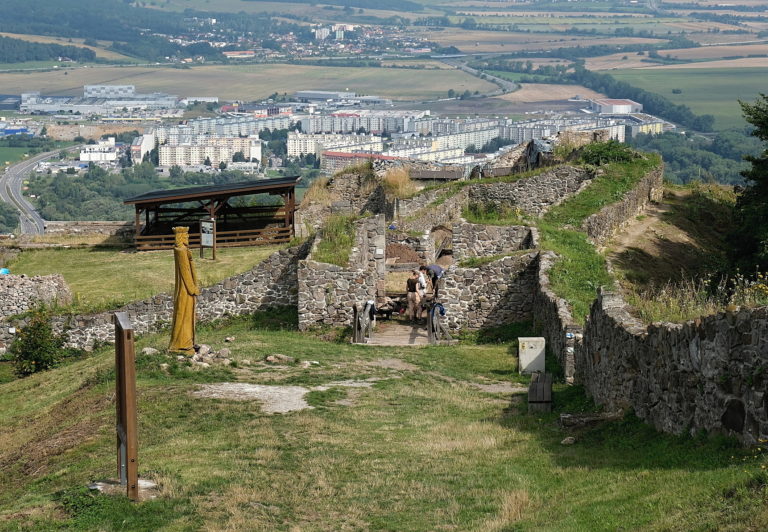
x,y
299,144
102,151
217,149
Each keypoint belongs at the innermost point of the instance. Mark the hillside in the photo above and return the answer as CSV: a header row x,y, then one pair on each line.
x,y
397,439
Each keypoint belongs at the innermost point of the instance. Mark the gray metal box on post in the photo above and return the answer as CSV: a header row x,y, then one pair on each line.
x,y
531,354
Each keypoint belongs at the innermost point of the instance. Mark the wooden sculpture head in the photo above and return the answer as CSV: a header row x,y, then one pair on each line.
x,y
182,235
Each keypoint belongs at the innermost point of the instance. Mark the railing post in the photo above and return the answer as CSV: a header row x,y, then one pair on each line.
x,y
125,403
357,334
431,325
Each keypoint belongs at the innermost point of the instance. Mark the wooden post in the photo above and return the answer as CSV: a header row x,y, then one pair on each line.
x,y
355,324
125,403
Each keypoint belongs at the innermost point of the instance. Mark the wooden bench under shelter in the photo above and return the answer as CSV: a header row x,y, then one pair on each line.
x,y
243,224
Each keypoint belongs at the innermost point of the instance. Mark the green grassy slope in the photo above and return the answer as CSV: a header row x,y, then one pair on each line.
x,y
422,449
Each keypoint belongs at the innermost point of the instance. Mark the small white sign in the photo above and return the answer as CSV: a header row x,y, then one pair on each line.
x,y
531,350
206,234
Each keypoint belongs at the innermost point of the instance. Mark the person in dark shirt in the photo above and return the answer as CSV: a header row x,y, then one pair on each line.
x,y
414,299
434,272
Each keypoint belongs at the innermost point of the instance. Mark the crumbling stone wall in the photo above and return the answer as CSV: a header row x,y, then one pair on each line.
x,y
602,225
20,293
512,161
710,373
351,192
533,195
552,318
491,295
327,292
271,283
477,240
429,210
120,229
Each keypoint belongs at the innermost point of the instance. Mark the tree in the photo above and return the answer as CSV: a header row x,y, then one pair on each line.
x,y
207,162
222,165
752,206
36,348
238,157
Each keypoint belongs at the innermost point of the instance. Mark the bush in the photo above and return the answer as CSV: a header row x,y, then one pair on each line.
x,y
607,152
36,348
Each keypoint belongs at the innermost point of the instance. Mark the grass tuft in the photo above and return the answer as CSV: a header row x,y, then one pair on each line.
x,y
397,183
318,193
337,239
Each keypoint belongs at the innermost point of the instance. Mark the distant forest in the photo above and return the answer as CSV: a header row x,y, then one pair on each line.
x,y
19,51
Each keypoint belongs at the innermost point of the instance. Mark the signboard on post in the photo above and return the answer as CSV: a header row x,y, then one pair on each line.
x,y
208,236
125,404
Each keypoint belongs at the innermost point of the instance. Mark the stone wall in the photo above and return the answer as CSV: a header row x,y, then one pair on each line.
x,y
553,320
511,161
476,240
271,283
601,226
494,294
350,192
19,293
534,195
710,373
422,213
327,292
121,229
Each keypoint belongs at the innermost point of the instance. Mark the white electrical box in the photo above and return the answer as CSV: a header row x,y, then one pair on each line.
x,y
531,354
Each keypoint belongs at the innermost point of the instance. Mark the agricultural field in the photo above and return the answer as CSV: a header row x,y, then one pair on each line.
x,y
501,41
11,155
318,12
712,91
544,92
100,50
250,82
723,56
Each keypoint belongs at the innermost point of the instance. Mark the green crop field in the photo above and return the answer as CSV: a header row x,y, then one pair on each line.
x,y
11,155
244,82
705,90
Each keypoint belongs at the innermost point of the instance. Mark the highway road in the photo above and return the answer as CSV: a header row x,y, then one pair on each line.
x,y
11,183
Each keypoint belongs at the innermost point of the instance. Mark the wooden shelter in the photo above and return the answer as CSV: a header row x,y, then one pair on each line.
x,y
159,211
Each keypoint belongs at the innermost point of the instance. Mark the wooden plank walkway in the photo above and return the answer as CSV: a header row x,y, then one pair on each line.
x,y
398,333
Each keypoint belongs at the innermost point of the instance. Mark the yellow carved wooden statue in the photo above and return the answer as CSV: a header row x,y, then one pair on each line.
x,y
184,294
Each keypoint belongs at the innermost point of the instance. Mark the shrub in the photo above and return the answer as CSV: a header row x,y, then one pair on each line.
x,y
36,348
607,152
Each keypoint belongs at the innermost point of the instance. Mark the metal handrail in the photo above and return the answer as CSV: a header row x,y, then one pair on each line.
x,y
436,331
362,323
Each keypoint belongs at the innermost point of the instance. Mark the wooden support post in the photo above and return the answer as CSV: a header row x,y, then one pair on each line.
x,y
125,402
355,324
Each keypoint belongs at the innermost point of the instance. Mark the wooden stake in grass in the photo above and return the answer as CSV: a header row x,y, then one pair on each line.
x,y
125,405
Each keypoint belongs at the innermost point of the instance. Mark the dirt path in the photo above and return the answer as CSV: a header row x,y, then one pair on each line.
x,y
636,233
681,237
